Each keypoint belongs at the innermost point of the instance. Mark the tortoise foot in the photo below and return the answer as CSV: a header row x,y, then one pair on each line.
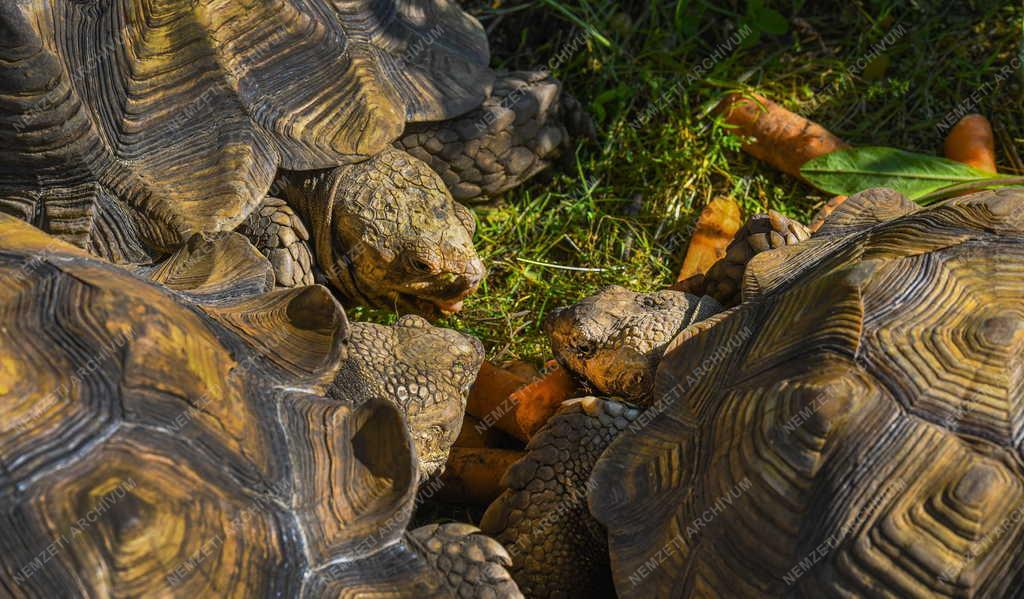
x,y
558,549
520,130
473,564
278,233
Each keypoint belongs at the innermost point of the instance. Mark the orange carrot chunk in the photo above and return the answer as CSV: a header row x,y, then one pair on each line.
x,y
472,433
972,142
517,406
781,138
473,474
824,212
716,227
489,399
538,401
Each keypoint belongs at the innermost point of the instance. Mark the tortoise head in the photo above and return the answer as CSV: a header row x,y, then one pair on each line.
x,y
397,239
432,372
425,370
615,339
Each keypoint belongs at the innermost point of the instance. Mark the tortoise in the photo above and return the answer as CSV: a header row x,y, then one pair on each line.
x,y
614,339
128,126
852,428
425,371
177,440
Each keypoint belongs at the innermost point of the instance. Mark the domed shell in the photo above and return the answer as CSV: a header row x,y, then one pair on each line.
x,y
853,429
152,445
176,115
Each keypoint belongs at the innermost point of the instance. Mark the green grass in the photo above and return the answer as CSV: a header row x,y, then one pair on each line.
x,y
624,206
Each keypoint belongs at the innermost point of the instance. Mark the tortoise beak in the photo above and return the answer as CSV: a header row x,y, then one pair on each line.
x,y
548,324
474,275
450,299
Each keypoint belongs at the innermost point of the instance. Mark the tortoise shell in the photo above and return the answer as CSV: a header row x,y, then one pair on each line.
x,y
159,442
179,113
857,429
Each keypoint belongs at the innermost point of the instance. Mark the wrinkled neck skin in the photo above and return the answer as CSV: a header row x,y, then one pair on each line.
x,y
313,196
309,194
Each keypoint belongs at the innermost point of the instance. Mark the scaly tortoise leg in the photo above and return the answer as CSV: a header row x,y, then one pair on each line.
x,y
558,549
472,564
526,123
278,233
763,232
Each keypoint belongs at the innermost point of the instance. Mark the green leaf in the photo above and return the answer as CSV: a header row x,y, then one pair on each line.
x,y
771,21
875,70
845,172
531,276
764,19
753,38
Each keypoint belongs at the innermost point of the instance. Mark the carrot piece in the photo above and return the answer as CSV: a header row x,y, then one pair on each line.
x,y
473,474
716,226
782,138
489,398
472,433
539,400
515,405
522,369
824,212
972,142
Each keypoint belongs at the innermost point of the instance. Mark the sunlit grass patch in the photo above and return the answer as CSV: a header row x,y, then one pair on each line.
x,y
621,210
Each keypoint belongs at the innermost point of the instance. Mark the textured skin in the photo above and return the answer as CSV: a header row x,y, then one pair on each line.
x,y
526,123
185,109
763,232
132,125
557,548
615,339
473,565
852,429
387,233
278,233
422,370
155,444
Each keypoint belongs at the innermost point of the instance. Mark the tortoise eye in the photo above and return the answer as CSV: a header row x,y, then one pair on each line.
x,y
419,265
585,350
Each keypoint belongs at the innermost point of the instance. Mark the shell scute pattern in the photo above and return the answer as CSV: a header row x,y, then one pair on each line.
x,y
873,409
